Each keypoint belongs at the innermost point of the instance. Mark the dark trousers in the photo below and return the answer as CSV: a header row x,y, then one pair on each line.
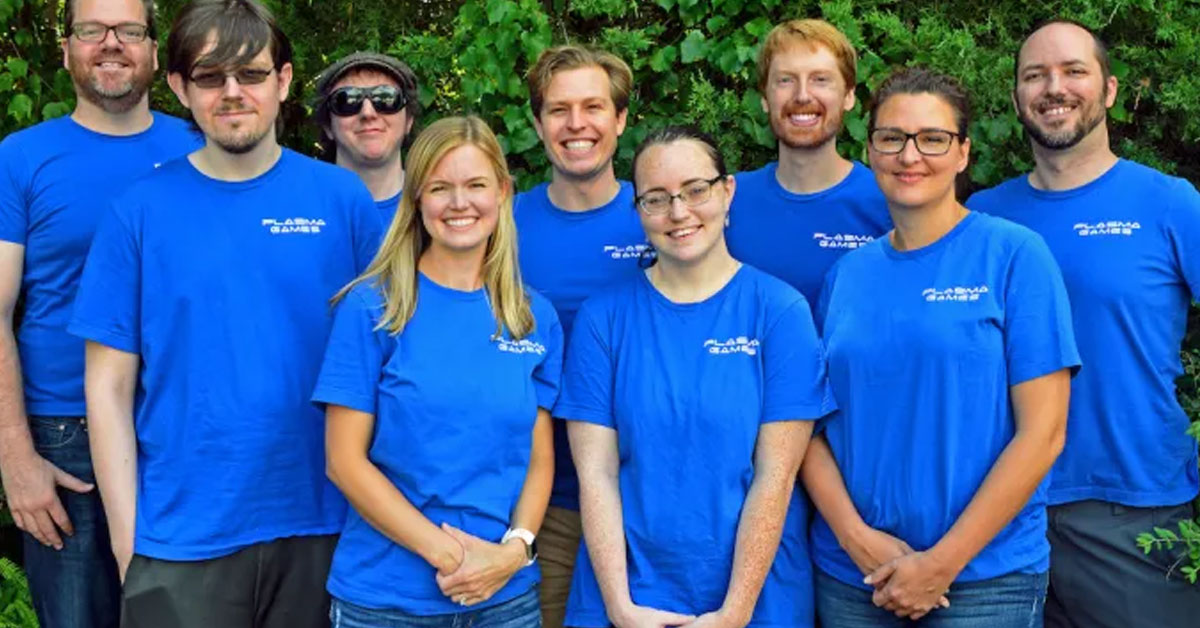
x,y
1099,578
77,586
277,584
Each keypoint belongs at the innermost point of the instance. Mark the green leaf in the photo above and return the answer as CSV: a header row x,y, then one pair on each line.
x,y
694,47
523,140
716,23
23,38
663,58
758,27
55,110
856,126
6,83
17,66
497,10
20,108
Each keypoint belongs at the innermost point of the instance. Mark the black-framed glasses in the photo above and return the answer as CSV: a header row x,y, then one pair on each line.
x,y
694,192
929,142
214,79
126,32
348,101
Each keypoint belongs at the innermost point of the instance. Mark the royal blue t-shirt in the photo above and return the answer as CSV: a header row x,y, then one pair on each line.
x,y
387,208
924,346
569,256
454,413
687,388
56,179
223,289
797,237
1129,247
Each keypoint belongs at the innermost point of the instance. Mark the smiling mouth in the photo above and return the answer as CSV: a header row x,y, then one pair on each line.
x,y
578,146
1056,110
461,223
684,233
909,177
804,119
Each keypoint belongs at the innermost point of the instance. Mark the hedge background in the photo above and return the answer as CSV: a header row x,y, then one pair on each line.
x,y
694,60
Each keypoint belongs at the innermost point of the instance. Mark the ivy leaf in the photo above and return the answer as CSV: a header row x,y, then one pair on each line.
x,y
17,66
6,82
716,23
694,46
55,109
663,58
497,10
666,5
20,108
758,27
856,126
522,140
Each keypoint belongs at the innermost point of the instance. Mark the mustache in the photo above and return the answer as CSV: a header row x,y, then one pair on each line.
x,y
793,109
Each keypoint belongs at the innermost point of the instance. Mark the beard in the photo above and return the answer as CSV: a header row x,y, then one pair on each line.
x,y
808,139
112,97
1091,114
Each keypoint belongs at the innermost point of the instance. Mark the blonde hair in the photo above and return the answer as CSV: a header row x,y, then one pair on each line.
x,y
394,269
810,33
562,58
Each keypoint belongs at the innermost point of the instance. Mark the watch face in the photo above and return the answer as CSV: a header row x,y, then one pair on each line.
x,y
531,550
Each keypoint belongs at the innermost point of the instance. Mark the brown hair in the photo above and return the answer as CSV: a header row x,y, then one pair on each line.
x,y
560,58
243,28
811,33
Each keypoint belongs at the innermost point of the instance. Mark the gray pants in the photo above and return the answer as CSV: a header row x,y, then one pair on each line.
x,y
278,584
1099,578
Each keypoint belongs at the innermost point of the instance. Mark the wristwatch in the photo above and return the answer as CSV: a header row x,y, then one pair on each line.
x,y
528,538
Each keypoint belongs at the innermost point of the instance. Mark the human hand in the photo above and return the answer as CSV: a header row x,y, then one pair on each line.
x,y
635,616
123,553
31,487
871,548
915,584
485,567
718,619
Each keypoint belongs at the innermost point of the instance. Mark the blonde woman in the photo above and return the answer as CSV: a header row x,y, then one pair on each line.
x,y
437,379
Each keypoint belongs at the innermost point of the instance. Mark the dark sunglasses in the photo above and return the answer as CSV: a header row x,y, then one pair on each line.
x,y
348,101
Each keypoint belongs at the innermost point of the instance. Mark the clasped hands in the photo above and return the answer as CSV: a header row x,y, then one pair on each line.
x,y
907,583
471,570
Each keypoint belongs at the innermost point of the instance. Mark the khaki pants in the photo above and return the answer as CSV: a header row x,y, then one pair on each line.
x,y
558,542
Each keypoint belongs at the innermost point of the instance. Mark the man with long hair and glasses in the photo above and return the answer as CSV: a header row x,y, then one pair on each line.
x,y
55,179
367,108
205,304
1128,240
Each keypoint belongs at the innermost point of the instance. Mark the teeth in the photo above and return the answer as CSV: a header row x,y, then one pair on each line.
x,y
460,222
801,118
1057,111
580,145
683,233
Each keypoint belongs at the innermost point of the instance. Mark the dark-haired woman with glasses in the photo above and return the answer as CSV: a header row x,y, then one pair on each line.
x,y
691,392
950,352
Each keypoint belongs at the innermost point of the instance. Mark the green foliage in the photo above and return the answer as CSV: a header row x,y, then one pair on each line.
x,y
16,607
695,61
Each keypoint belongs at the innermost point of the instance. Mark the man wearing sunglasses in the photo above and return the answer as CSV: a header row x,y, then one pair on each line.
x,y
367,108
796,216
56,179
205,304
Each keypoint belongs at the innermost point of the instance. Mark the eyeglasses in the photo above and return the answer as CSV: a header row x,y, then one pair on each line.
x,y
929,142
694,192
348,101
126,32
214,79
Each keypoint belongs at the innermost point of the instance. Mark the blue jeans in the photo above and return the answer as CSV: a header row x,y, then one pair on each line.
x,y
1013,601
520,612
77,586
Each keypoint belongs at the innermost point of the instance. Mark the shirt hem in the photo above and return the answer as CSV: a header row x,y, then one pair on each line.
x,y
346,399
108,338
53,409
422,607
1137,499
175,552
582,415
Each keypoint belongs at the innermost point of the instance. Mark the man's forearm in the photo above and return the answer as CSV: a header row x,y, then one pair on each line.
x,y
110,381
15,439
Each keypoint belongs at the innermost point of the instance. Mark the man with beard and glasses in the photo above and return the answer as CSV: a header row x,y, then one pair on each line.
x,y
577,233
796,216
205,304
1128,240
367,107
55,180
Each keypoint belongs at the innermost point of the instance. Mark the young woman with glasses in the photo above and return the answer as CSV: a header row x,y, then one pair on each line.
x,y
950,352
437,380
691,392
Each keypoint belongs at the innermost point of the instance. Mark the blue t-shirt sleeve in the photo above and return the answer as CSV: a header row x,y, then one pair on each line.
x,y
795,382
108,303
368,229
588,374
1038,335
1183,225
547,375
354,355
14,212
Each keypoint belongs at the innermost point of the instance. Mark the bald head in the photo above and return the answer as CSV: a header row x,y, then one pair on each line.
x,y
1058,41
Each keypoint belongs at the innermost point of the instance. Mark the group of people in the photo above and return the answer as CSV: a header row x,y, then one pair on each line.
x,y
251,389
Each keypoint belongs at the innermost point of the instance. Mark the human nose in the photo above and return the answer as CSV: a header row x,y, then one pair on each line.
x,y
678,210
232,88
574,118
1054,82
368,109
110,39
909,153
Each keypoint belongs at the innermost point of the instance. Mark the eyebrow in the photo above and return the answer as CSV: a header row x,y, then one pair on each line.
x,y
1042,66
